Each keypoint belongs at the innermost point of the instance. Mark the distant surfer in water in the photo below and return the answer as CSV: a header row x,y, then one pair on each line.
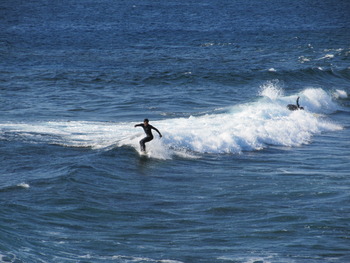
x,y
148,130
295,107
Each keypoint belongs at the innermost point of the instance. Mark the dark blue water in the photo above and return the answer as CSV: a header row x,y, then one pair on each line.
x,y
237,177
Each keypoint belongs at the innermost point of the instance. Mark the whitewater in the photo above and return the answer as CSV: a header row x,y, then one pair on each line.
x,y
264,122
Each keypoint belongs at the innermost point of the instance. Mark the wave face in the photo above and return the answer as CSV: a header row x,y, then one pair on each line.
x,y
243,127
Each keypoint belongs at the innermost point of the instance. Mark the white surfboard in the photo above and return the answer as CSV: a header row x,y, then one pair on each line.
x,y
144,154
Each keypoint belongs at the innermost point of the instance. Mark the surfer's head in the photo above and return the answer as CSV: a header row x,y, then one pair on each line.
x,y
145,121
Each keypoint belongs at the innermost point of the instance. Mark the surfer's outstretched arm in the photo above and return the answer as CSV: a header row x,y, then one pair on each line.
x,y
298,105
160,135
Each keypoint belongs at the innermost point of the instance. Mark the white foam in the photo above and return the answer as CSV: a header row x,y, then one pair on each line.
x,y
303,59
253,126
340,94
273,257
327,56
8,258
271,90
143,259
245,127
318,101
248,259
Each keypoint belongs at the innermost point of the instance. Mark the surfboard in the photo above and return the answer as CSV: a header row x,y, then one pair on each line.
x,y
144,154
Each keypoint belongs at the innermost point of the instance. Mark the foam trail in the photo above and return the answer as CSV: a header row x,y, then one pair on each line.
x,y
245,127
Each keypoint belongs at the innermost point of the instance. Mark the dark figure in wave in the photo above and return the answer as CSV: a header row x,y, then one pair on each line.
x,y
148,130
295,107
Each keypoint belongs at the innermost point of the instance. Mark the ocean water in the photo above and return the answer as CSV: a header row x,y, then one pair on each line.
x,y
237,177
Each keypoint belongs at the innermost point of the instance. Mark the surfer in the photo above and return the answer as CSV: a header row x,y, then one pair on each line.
x,y
148,130
295,107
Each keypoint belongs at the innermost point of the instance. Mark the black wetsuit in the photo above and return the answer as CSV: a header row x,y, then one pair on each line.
x,y
149,135
293,107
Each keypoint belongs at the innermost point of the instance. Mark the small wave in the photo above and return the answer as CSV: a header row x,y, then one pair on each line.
x,y
14,187
340,94
10,258
23,185
327,56
303,59
143,259
251,259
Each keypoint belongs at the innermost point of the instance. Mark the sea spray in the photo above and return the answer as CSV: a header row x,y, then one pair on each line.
x,y
271,89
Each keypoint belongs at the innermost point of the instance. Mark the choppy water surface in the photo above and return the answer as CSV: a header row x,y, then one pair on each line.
x,y
237,177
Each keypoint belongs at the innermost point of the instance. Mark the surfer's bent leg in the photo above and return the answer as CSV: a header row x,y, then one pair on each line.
x,y
143,143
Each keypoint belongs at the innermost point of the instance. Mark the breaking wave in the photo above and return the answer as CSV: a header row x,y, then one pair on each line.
x,y
244,127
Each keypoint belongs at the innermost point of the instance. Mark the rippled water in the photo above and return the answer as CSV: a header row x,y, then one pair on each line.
x,y
237,177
